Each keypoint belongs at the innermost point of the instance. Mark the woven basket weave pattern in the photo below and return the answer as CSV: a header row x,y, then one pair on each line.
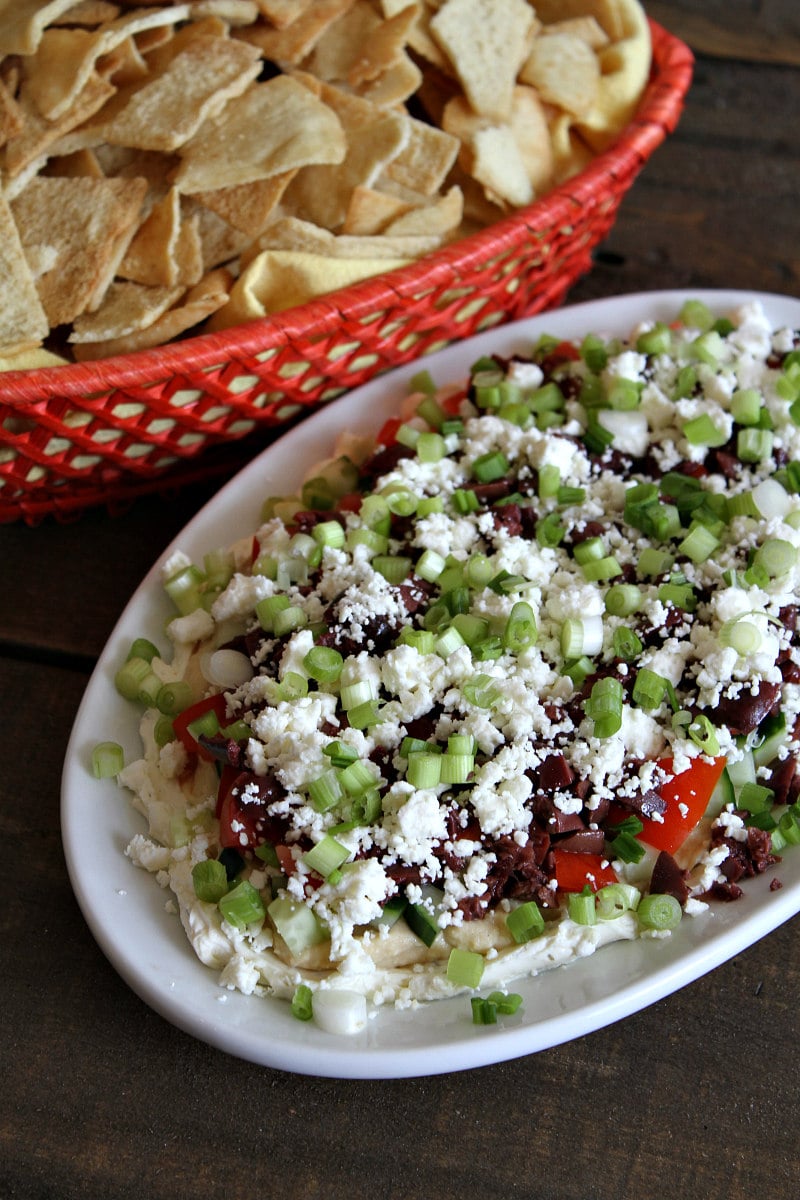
x,y
75,436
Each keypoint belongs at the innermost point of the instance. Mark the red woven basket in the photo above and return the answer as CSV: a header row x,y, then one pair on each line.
x,y
102,433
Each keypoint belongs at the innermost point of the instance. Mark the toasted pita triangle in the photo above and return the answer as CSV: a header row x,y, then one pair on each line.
x,y
86,224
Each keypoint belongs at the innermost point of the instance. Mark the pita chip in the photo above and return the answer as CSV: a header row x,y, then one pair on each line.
x,y
422,165
487,42
39,136
76,230
23,323
248,206
209,295
126,308
22,23
375,136
297,130
565,72
165,113
164,252
290,44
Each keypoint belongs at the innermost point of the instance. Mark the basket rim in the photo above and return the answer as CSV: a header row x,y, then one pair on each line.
x,y
657,114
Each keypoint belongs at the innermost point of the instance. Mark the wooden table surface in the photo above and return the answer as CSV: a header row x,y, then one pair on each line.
x,y
696,1095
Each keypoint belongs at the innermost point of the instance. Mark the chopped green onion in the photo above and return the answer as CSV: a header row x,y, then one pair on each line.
x,y
699,543
478,570
520,632
696,315
108,759
594,352
323,663
399,500
292,686
649,688
422,640
325,791
183,589
549,531
210,880
754,445
704,735
356,777
424,770
653,562
657,340
549,481
570,495
242,905
680,595
288,619
302,1002
173,698
659,912
525,922
329,533
365,715
582,908
340,754
777,557
627,848
448,642
465,967
472,629
206,725
701,431
430,448
622,599
429,566
465,501
740,635
482,690
604,706
615,899
505,1003
489,467
393,568
143,648
326,856
602,568
353,694
456,768
483,1011
624,395
130,676
746,406
626,643
592,549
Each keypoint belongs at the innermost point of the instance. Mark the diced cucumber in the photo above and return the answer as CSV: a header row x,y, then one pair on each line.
x,y
724,793
421,918
297,924
774,734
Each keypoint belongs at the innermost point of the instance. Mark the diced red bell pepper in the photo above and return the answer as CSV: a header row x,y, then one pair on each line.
x,y
387,435
687,795
181,723
573,871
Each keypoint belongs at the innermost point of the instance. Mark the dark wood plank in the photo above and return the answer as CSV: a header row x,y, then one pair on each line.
x,y
767,31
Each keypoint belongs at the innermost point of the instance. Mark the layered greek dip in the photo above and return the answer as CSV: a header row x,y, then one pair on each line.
x,y
515,679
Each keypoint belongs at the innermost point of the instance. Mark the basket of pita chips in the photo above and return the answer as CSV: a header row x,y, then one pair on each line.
x,y
217,216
